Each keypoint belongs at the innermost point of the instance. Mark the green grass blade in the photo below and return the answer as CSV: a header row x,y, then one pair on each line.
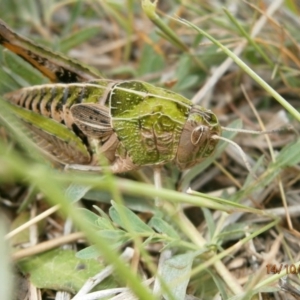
x,y
249,71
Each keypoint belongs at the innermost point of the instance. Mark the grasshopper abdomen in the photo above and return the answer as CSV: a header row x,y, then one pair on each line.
x,y
55,100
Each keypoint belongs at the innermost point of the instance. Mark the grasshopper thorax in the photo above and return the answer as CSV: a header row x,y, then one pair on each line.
x,y
196,141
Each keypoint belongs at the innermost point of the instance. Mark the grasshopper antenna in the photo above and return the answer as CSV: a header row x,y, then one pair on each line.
x,y
279,130
240,150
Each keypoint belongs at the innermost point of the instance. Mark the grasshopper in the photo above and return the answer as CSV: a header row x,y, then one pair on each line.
x,y
80,117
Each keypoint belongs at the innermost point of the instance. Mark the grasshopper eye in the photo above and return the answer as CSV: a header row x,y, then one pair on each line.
x,y
199,134
196,142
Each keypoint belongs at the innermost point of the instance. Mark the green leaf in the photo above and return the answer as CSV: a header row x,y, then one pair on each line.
x,y
128,220
89,216
187,82
27,75
175,273
150,61
75,191
184,67
90,252
232,232
23,236
78,38
75,13
104,223
59,270
7,82
115,238
112,235
133,202
6,277
288,156
209,221
220,284
163,227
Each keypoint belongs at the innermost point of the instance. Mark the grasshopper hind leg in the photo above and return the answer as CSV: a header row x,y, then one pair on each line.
x,y
55,66
61,150
120,165
107,159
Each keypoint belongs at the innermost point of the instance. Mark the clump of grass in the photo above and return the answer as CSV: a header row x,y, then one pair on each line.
x,y
218,231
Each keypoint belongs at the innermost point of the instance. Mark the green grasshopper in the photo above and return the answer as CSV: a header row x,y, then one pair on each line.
x,y
80,117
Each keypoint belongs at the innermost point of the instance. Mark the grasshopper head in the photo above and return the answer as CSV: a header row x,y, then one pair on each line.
x,y
196,141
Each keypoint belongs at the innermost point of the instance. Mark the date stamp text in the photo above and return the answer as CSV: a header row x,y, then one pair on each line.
x,y
288,268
